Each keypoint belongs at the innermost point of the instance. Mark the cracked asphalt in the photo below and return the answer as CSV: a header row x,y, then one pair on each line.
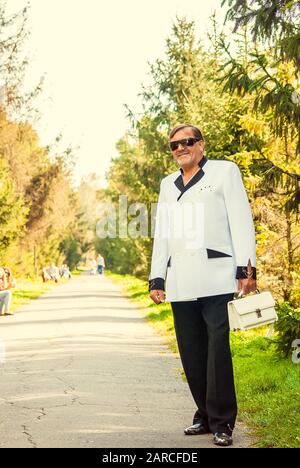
x,y
82,368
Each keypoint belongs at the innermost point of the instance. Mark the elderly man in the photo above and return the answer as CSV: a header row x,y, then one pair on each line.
x,y
200,268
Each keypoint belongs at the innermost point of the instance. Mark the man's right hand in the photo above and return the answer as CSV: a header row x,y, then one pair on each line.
x,y
157,295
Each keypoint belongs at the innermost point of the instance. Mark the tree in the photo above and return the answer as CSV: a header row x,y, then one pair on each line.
x,y
13,64
270,86
12,212
274,21
33,176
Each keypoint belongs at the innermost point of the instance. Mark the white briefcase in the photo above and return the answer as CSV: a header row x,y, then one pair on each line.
x,y
252,311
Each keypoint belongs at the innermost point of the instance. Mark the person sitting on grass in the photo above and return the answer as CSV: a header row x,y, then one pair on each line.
x,y
65,272
45,275
7,282
53,271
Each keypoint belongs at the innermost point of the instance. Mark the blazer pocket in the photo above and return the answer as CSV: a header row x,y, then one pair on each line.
x,y
216,254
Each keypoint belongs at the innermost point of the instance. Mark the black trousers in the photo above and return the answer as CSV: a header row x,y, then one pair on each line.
x,y
202,332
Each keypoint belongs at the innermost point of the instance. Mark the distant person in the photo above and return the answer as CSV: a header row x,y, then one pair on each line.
x,y
93,269
53,271
45,275
11,282
101,264
65,272
7,282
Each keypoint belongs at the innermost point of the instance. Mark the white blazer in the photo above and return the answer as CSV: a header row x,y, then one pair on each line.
x,y
217,239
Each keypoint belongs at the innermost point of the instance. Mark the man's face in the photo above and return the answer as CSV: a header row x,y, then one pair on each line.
x,y
189,156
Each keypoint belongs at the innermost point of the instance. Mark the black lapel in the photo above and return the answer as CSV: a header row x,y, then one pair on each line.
x,y
179,181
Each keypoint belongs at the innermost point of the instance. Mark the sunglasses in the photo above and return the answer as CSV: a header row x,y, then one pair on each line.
x,y
174,145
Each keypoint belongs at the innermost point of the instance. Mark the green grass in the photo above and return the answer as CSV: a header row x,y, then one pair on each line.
x,y
27,290
268,391
268,388
76,272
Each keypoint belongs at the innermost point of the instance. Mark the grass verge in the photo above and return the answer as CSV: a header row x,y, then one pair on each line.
x,y
268,388
28,289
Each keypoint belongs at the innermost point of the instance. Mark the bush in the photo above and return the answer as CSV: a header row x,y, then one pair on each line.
x,y
287,327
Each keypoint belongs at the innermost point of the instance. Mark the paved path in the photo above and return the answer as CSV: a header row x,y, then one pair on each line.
x,y
83,369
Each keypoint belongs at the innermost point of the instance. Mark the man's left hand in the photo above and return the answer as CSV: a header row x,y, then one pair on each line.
x,y
247,285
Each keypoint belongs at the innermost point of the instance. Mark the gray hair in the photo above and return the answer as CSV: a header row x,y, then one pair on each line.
x,y
196,131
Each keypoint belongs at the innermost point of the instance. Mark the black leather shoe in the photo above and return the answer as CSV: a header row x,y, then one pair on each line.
x,y
197,429
220,438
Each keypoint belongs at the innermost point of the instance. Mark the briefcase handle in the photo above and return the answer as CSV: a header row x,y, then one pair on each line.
x,y
241,293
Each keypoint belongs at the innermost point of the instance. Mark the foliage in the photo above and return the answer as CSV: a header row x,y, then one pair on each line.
x,y
275,21
13,34
38,205
12,211
271,89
